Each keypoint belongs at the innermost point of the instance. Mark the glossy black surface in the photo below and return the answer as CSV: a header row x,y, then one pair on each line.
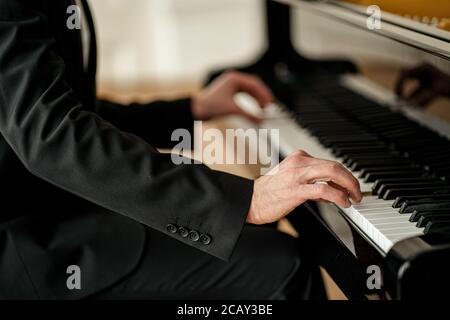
x,y
408,162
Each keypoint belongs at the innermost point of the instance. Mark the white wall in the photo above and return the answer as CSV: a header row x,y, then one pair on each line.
x,y
163,41
174,40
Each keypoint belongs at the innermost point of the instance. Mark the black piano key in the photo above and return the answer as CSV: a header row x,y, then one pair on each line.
x,y
442,172
416,214
392,168
348,158
425,219
357,144
350,137
425,197
412,173
439,226
424,156
428,158
342,151
354,159
438,166
424,143
378,163
399,135
405,185
424,149
377,184
418,205
394,193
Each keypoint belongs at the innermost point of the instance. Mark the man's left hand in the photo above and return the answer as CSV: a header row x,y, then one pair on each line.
x,y
218,98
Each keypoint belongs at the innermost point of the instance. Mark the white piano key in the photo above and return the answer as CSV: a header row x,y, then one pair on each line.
x,y
373,199
388,221
375,217
375,210
384,227
399,237
293,138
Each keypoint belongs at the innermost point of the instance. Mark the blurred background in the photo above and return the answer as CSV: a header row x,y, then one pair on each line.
x,y
160,47
166,48
169,45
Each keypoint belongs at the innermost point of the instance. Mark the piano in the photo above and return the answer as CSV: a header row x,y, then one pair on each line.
x,y
400,154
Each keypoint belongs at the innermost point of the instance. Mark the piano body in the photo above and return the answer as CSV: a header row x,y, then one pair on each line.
x,y
400,154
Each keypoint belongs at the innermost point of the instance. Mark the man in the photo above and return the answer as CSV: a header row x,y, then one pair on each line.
x,y
84,189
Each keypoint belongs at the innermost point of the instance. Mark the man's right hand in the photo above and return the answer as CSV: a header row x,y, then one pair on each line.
x,y
295,181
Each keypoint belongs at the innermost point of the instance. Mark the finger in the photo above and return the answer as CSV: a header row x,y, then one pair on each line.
x,y
299,159
409,74
249,116
303,153
255,87
423,97
300,154
324,192
333,172
334,185
400,84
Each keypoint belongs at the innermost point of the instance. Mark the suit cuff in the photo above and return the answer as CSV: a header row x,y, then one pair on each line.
x,y
218,232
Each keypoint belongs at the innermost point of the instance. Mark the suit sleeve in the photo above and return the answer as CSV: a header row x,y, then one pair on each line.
x,y
154,122
60,141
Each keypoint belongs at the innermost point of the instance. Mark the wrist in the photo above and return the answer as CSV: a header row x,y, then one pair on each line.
x,y
252,216
198,107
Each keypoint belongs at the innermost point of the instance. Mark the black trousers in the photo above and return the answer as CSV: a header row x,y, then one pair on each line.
x,y
266,264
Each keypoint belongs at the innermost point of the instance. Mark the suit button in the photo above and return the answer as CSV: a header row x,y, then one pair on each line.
x,y
194,236
183,232
171,228
205,239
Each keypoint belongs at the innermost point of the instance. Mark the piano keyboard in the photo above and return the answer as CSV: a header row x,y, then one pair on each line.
x,y
403,167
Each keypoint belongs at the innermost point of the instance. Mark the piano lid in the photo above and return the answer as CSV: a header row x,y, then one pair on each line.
x,y
401,28
324,30
433,13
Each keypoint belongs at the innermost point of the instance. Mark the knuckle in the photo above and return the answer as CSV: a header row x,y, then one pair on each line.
x,y
355,182
320,188
335,167
257,81
343,197
299,154
338,166
251,77
292,157
231,74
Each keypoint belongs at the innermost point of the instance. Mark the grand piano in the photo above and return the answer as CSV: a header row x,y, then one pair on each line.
x,y
400,153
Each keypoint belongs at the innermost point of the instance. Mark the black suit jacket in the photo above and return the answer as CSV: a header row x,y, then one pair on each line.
x,y
80,179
